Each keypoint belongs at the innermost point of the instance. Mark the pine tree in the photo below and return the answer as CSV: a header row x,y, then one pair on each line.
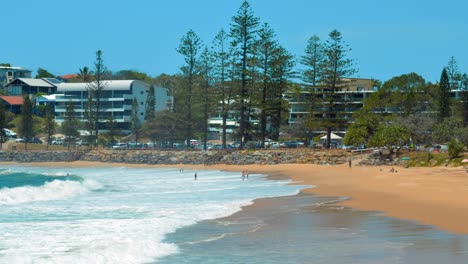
x,y
266,47
26,127
206,70
444,96
113,129
312,60
2,125
282,70
95,93
464,98
334,68
453,73
150,108
49,124
70,124
135,119
243,32
189,47
220,76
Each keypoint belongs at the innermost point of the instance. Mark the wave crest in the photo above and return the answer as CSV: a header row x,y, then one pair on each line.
x,y
54,190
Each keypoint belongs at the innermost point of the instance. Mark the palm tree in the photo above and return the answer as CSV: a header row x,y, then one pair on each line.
x,y
85,75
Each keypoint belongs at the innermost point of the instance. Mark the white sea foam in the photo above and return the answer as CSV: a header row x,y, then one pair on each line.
x,y
5,171
88,222
53,190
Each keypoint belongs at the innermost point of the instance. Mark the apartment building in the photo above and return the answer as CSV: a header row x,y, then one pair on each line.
x,y
347,100
116,101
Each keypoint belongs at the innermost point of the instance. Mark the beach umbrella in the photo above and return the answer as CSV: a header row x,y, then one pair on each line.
x,y
465,161
405,158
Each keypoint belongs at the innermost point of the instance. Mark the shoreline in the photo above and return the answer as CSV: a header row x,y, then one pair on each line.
x,y
433,196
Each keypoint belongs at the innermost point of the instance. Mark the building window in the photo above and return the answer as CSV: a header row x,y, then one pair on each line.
x,y
141,113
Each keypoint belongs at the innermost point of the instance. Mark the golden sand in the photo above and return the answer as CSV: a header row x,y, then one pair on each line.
x,y
435,196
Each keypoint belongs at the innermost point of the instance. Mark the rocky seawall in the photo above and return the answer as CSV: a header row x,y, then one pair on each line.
x,y
240,157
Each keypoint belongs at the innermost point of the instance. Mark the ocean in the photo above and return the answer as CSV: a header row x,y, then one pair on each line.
x,y
146,215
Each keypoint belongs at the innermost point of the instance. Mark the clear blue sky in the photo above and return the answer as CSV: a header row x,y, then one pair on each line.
x,y
388,38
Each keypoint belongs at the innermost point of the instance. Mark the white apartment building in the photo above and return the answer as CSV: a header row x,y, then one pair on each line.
x,y
349,99
116,101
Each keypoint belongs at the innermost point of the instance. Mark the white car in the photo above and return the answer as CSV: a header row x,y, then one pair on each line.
x,y
9,133
150,144
274,145
120,146
57,142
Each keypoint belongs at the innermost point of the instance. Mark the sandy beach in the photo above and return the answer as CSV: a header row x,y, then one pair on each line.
x,y
434,196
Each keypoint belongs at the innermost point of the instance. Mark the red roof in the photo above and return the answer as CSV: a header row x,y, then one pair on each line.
x,y
13,100
69,76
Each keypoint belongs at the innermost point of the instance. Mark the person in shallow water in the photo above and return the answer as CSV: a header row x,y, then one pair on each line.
x,y
195,176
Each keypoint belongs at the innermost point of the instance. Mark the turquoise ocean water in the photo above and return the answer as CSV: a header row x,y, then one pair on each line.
x,y
136,215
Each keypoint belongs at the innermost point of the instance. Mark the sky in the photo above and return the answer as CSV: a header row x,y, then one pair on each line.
x,y
387,38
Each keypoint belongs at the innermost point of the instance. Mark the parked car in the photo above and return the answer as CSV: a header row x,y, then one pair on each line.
x,y
216,146
9,133
150,144
134,145
35,140
253,145
193,143
230,146
57,142
274,145
292,144
179,145
268,142
82,143
20,140
120,146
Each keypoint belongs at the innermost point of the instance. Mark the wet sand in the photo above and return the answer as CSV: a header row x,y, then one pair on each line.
x,y
434,196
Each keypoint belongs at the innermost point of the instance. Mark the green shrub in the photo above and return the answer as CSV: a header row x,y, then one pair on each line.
x,y
429,156
454,148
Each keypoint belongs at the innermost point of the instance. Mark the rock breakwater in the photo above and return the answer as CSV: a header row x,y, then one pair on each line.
x,y
240,157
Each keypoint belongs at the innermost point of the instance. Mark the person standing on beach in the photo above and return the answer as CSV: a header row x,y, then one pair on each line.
x,y
350,162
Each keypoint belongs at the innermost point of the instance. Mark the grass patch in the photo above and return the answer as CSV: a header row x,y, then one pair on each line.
x,y
430,159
